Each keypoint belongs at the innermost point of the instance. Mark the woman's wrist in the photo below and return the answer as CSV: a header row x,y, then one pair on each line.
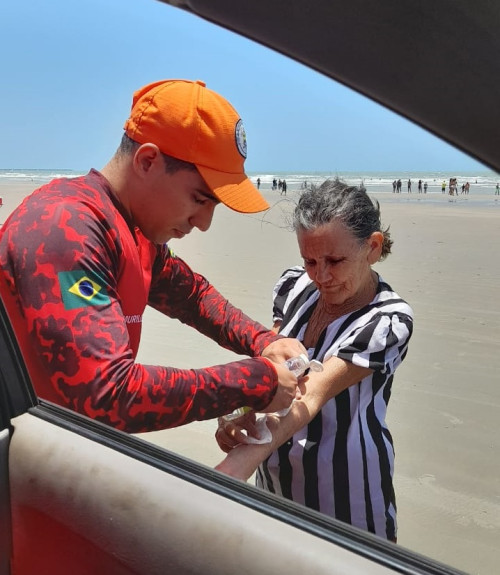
x,y
238,463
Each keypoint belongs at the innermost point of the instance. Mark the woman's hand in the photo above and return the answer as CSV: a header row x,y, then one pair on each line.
x,y
231,431
242,462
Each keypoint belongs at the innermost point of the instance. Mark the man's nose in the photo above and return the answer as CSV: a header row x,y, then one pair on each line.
x,y
203,217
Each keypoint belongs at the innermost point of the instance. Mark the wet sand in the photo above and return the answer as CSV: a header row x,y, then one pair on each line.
x,y
446,398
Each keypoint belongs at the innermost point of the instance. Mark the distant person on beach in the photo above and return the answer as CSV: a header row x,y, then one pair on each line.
x,y
467,186
333,451
394,184
283,187
453,187
409,186
443,187
419,186
425,187
81,258
258,183
398,186
497,190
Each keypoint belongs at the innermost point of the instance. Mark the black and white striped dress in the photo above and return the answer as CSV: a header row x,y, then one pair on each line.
x,y
342,463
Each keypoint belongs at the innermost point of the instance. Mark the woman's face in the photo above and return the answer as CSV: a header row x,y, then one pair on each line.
x,y
337,262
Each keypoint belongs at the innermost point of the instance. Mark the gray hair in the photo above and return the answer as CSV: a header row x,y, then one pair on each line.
x,y
336,200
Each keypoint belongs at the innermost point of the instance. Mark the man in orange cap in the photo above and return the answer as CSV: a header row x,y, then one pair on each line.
x,y
81,258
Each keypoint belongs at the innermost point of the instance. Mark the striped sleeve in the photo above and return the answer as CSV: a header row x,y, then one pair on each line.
x,y
282,290
380,344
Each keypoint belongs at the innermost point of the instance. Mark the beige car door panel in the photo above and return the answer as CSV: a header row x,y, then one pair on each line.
x,y
78,497
80,506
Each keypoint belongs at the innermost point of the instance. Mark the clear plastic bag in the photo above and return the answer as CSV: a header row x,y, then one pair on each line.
x,y
298,365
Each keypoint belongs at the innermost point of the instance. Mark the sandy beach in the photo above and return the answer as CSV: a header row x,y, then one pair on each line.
x,y
444,409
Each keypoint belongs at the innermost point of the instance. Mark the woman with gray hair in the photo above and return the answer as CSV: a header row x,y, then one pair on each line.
x,y
333,451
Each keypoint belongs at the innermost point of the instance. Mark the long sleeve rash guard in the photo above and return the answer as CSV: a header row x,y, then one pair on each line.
x,y
79,276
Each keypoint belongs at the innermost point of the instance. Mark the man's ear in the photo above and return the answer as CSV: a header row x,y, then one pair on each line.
x,y
375,243
146,158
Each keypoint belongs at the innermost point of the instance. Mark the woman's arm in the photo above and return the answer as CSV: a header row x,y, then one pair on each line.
x,y
317,388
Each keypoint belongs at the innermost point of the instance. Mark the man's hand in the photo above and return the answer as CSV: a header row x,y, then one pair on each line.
x,y
286,392
282,349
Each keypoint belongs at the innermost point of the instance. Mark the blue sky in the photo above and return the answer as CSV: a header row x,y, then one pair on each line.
x,y
69,69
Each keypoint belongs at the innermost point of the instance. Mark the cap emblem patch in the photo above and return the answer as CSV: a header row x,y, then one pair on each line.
x,y
241,138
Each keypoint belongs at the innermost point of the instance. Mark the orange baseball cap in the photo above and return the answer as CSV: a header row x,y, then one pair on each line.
x,y
188,121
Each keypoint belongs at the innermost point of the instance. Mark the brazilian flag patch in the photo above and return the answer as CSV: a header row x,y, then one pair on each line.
x,y
80,289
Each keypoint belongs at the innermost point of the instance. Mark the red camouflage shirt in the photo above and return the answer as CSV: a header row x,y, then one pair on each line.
x,y
78,276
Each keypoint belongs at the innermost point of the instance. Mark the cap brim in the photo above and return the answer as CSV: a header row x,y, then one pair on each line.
x,y
235,191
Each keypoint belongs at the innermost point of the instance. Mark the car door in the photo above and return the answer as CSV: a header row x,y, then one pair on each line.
x,y
79,497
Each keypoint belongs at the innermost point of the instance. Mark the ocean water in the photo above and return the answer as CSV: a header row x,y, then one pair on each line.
x,y
480,181
35,175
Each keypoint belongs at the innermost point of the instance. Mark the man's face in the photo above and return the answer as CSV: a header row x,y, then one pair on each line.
x,y
171,205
